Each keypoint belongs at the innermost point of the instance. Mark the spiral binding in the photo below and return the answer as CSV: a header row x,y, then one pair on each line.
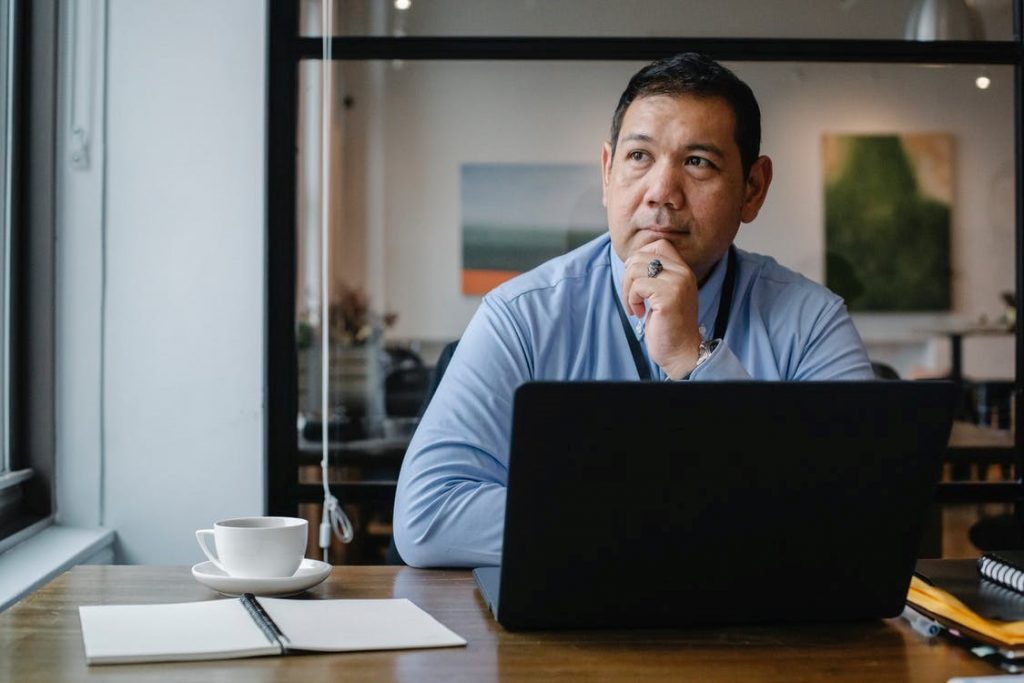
x,y
1001,573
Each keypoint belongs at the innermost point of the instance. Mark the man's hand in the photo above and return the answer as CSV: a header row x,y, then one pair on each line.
x,y
673,337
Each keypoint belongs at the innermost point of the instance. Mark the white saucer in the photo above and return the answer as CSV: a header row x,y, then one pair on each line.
x,y
309,574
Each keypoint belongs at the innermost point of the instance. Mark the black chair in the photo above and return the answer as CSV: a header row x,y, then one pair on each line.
x,y
989,403
405,383
435,377
404,389
392,556
884,371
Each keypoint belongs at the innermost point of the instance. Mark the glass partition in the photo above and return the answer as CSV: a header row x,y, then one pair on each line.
x,y
437,164
448,175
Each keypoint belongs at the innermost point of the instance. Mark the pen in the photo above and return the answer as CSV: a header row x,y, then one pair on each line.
x,y
641,325
929,628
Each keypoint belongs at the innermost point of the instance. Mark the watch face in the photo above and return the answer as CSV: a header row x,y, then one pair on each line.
x,y
704,351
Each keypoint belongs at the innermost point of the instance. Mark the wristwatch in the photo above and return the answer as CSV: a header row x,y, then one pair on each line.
x,y
703,353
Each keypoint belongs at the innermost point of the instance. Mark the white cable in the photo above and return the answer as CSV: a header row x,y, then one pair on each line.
x,y
334,517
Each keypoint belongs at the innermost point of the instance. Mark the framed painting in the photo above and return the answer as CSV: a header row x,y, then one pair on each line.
x,y
516,216
888,203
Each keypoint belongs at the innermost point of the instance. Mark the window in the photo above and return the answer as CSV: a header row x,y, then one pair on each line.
x,y
27,88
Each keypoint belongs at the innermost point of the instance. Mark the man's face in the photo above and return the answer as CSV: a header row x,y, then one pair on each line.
x,y
677,175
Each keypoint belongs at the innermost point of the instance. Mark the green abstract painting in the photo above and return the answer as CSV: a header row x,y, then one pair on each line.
x,y
888,202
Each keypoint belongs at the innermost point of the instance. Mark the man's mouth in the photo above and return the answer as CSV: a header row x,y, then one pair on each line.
x,y
665,230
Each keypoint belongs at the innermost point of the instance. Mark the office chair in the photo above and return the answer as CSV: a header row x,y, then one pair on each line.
x,y
884,371
405,384
989,403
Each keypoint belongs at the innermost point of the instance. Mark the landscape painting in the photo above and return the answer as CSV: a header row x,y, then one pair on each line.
x,y
888,203
515,216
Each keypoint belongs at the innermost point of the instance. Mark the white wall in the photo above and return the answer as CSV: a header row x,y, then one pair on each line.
x,y
559,112
183,363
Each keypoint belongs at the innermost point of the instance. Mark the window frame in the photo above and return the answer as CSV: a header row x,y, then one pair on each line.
x,y
55,527
8,18
27,489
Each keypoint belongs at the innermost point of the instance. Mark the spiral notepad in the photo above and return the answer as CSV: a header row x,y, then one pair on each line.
x,y
1005,567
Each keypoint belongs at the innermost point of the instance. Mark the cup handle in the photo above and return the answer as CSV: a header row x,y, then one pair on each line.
x,y
202,537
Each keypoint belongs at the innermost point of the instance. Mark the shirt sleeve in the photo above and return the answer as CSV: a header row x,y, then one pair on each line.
x,y
834,350
819,346
450,502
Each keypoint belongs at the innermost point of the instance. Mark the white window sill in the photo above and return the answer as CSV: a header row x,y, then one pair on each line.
x,y
38,559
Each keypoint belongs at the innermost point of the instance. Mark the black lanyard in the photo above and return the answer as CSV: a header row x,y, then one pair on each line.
x,y
721,320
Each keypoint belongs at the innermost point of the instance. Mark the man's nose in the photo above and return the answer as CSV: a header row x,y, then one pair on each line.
x,y
665,188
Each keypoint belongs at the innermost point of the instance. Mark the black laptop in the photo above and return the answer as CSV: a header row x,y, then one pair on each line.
x,y
640,504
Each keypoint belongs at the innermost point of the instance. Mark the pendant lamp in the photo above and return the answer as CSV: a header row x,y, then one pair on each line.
x,y
943,20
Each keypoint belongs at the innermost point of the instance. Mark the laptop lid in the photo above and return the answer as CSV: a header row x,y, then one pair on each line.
x,y
487,581
662,504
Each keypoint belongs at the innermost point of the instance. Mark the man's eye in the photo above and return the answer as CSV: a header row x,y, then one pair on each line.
x,y
636,155
699,162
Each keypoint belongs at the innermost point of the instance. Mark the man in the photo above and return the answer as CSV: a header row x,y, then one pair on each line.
x,y
663,296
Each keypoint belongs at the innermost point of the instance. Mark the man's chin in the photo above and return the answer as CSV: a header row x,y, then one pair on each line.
x,y
644,238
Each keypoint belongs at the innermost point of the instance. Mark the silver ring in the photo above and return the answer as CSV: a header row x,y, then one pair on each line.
x,y
654,267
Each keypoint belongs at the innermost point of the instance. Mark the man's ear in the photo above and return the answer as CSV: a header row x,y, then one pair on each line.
x,y
606,170
758,180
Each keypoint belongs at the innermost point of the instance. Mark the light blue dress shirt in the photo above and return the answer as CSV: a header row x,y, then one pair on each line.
x,y
559,322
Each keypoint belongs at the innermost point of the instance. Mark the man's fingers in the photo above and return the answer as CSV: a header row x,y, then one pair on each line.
x,y
642,289
637,285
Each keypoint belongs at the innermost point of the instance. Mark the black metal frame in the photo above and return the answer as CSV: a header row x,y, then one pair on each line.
x,y
647,49
19,318
287,49
32,380
281,380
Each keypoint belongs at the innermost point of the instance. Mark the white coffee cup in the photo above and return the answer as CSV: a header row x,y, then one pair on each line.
x,y
256,547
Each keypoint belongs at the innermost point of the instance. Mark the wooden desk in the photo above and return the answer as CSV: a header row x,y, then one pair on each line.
x,y
41,641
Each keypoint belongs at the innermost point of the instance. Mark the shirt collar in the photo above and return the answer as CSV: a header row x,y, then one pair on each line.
x,y
708,297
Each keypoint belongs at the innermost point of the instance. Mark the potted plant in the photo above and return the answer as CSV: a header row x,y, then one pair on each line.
x,y
356,356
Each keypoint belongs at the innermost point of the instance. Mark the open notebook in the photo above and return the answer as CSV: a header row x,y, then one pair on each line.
x,y
251,627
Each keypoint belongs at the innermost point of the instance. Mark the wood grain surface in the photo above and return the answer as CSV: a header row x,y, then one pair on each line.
x,y
41,641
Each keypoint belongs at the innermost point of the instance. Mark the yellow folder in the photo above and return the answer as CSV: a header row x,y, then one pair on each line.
x,y
953,613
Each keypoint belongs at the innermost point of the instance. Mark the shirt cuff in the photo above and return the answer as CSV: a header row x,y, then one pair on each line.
x,y
712,347
721,365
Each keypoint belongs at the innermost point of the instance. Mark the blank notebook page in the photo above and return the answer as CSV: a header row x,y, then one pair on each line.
x,y
188,630
340,625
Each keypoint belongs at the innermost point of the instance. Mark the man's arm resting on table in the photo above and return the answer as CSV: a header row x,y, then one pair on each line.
x,y
453,523
450,503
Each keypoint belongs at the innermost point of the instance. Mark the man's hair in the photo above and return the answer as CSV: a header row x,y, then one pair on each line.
x,y
692,73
